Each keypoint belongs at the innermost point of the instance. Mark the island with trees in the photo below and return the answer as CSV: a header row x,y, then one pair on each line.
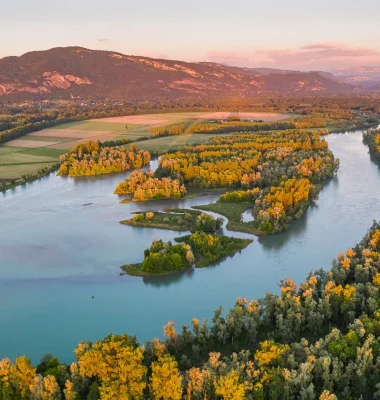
x,y
162,258
176,220
92,158
145,186
200,249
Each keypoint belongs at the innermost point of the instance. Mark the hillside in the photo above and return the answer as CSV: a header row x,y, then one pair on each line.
x,y
63,73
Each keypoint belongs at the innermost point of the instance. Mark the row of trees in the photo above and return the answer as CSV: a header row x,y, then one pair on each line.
x,y
239,126
171,130
92,158
316,340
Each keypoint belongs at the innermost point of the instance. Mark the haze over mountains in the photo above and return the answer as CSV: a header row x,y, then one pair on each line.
x,y
72,72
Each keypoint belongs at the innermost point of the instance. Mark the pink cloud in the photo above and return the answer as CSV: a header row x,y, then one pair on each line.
x,y
324,56
321,46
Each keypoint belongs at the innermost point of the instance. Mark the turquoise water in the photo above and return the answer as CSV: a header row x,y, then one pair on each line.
x,y
56,253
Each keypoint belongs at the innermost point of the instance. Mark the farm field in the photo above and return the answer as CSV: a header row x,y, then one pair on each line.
x,y
27,154
266,117
175,142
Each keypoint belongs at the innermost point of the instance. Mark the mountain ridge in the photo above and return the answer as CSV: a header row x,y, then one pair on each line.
x,y
77,72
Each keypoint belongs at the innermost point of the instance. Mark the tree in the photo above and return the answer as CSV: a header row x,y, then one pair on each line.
x,y
22,375
118,364
45,388
165,382
229,388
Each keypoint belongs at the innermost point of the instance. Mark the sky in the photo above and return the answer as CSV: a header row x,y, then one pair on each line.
x,y
291,34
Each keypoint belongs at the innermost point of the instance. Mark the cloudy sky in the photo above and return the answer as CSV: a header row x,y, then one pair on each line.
x,y
294,34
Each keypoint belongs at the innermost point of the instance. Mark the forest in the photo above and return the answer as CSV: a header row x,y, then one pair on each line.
x,y
371,137
319,339
93,158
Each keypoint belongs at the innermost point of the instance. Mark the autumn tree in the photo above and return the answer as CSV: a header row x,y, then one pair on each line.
x,y
117,362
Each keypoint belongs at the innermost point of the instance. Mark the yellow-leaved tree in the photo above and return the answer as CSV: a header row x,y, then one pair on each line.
x,y
228,387
22,375
165,382
117,362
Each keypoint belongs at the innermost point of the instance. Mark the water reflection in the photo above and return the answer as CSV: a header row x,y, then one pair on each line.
x,y
279,240
168,280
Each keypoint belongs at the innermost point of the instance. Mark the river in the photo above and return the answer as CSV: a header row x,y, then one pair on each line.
x,y
60,258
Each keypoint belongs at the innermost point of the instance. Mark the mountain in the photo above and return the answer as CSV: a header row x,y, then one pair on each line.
x,y
72,72
366,77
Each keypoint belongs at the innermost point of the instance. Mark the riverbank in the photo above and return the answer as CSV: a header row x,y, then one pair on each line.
x,y
25,179
233,212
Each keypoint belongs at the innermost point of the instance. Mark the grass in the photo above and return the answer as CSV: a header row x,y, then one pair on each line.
x,y
175,142
18,161
44,139
233,212
17,170
45,152
96,126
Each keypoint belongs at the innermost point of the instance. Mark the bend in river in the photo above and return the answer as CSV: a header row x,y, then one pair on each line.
x,y
56,253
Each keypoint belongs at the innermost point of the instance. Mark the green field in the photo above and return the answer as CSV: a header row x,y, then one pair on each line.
x,y
18,158
95,126
18,161
176,142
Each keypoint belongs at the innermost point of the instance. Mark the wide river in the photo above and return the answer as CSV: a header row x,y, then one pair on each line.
x,y
56,253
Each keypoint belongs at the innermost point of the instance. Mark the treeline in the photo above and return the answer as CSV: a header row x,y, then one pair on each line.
x,y
316,340
372,139
93,158
345,111
171,130
239,127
